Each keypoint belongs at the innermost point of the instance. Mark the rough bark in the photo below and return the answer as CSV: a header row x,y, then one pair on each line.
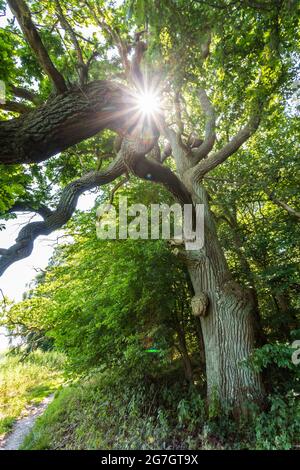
x,y
25,94
15,107
153,171
66,120
228,310
231,219
228,326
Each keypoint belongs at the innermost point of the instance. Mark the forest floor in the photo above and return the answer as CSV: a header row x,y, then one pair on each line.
x,y
24,424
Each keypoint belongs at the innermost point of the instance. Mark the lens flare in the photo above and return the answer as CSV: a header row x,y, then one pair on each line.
x,y
148,103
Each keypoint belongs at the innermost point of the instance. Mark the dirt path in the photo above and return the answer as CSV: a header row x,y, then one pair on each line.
x,y
24,425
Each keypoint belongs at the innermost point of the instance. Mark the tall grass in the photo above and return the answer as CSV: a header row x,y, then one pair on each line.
x,y
26,381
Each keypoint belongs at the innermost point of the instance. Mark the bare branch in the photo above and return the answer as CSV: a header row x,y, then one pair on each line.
x,y
20,9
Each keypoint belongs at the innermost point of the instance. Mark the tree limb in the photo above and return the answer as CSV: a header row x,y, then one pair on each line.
x,y
83,69
66,120
152,171
25,94
283,205
15,107
20,9
42,210
118,186
209,163
210,127
119,43
54,220
136,76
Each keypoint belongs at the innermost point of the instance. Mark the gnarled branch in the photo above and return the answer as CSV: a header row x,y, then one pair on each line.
x,y
54,220
152,171
42,210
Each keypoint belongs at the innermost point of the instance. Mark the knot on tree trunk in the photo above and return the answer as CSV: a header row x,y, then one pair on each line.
x,y
200,305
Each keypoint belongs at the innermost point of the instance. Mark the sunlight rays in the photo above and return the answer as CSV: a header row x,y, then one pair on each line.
x,y
148,102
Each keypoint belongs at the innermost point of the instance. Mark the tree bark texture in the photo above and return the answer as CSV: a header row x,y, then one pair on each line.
x,y
66,120
227,326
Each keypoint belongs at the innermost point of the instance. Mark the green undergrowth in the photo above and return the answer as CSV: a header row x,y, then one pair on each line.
x,y
105,411
26,381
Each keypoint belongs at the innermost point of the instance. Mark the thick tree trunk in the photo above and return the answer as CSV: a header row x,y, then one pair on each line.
x,y
227,323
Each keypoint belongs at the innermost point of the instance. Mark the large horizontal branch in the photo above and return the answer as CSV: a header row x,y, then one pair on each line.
x,y
20,9
130,157
215,159
66,120
54,220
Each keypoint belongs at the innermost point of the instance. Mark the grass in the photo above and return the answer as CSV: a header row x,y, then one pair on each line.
x,y
26,382
104,413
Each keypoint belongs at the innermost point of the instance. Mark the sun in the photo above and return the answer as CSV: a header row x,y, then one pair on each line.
x,y
148,103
